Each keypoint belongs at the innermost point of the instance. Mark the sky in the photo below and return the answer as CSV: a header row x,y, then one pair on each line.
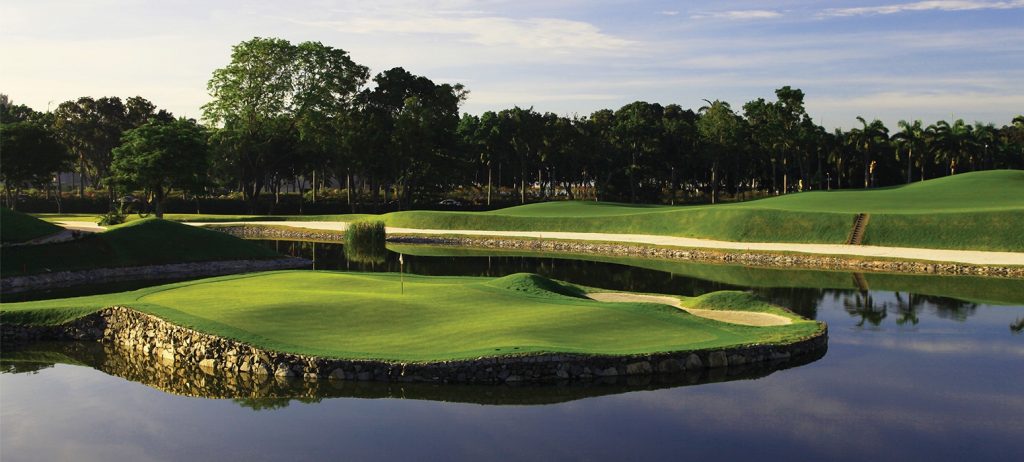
x,y
928,60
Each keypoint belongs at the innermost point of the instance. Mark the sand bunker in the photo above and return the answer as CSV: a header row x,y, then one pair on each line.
x,y
746,318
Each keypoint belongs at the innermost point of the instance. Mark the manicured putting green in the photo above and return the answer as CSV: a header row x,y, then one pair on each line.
x,y
366,315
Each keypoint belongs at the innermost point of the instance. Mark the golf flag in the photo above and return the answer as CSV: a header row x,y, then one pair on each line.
x,y
400,261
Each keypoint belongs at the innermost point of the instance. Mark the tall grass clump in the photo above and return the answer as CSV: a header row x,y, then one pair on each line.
x,y
365,242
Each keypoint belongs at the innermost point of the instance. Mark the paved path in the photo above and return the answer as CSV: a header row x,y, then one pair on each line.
x,y
82,226
975,257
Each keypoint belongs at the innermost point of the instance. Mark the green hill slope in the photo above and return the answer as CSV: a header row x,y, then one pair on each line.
x,y
19,227
143,242
979,210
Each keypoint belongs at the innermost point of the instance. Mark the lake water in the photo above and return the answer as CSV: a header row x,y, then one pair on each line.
x,y
918,368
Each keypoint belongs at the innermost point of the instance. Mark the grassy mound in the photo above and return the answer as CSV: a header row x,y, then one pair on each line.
x,y
19,227
978,210
359,315
142,242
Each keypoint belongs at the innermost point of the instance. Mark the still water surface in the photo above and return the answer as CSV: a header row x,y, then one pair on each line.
x,y
917,368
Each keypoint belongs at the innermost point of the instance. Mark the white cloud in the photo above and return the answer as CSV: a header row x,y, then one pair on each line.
x,y
534,33
932,5
669,13
739,15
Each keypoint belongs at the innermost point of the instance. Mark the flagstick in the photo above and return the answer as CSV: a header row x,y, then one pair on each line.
x,y
401,272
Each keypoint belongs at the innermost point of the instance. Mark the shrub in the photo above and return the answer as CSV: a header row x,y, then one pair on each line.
x,y
365,242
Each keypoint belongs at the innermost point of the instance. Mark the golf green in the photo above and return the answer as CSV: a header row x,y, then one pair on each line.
x,y
420,318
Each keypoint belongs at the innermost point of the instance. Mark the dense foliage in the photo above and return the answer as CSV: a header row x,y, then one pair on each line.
x,y
306,118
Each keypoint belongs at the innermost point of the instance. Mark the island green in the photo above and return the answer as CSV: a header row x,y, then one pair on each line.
x,y
371,316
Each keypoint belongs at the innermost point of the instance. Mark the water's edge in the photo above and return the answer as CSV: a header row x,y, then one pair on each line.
x,y
170,343
747,258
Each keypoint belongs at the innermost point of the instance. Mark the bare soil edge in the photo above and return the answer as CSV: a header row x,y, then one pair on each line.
x,y
169,343
16,284
746,258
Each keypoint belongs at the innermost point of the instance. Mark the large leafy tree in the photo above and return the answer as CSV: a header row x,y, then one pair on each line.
x,y
159,156
408,128
721,131
679,143
268,91
30,156
638,133
525,132
92,128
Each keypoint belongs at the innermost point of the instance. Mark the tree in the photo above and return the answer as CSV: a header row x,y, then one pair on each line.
x,y
525,132
720,132
271,88
950,142
638,131
910,138
159,156
92,128
31,155
867,139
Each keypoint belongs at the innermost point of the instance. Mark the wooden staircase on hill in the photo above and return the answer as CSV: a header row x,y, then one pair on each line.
x,y
857,233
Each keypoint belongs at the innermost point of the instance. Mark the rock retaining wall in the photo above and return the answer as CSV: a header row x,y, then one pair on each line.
x,y
43,281
834,262
748,258
169,343
279,232
254,390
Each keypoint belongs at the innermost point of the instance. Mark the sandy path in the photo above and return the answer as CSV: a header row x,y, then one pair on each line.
x,y
82,226
975,257
746,318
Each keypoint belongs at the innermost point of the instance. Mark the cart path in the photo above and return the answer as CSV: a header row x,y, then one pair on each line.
x,y
974,257
746,318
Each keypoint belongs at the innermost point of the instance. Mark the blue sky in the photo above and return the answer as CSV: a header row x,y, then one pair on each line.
x,y
882,59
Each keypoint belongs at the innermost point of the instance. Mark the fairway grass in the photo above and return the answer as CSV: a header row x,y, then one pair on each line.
x,y
971,211
369,316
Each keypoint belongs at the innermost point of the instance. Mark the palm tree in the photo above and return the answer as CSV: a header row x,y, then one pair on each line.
x,y
950,142
866,139
985,137
909,138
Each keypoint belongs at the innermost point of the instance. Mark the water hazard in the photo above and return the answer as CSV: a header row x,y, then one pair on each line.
x,y
918,367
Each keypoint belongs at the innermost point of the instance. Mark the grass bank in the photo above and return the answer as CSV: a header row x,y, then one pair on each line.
x,y
366,316
970,211
975,211
18,227
142,242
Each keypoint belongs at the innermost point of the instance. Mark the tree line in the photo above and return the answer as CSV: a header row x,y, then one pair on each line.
x,y
306,117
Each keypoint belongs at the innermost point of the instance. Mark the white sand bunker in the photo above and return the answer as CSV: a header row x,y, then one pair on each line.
x,y
746,318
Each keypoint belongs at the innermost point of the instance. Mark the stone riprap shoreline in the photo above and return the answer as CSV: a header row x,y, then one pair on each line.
x,y
191,380
170,343
59,279
764,259
279,232
747,258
